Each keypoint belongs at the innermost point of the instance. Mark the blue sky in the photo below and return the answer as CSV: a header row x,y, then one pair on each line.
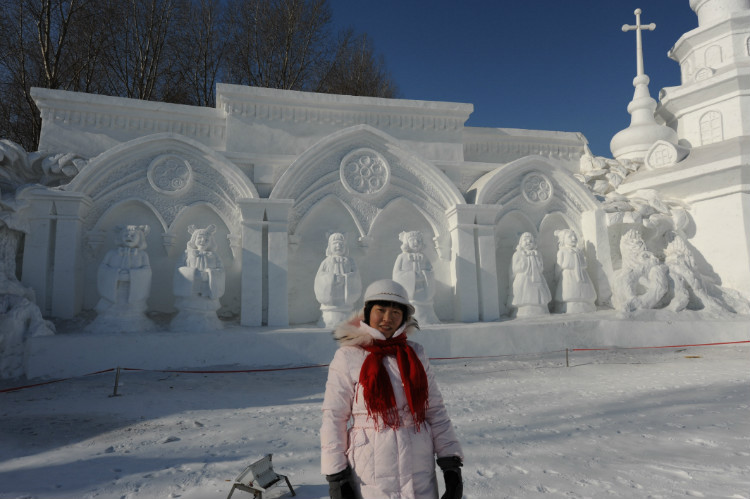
x,y
537,64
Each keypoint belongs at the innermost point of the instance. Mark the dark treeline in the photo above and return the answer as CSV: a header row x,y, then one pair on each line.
x,y
175,51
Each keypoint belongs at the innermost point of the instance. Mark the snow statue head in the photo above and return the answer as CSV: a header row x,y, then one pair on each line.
x,y
132,236
337,245
413,270
635,254
526,242
575,292
124,284
337,284
199,282
566,238
411,241
641,282
529,293
202,239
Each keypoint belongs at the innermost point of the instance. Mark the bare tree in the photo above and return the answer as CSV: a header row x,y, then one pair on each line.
x,y
138,62
277,43
39,47
198,48
174,51
357,70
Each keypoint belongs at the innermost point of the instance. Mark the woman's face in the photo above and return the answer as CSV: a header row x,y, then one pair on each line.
x,y
386,319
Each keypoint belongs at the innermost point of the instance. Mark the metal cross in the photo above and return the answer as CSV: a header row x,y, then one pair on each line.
x,y
638,44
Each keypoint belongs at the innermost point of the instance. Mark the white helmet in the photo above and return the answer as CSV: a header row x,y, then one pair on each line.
x,y
388,290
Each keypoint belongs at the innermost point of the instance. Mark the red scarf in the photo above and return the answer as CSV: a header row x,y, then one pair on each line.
x,y
376,384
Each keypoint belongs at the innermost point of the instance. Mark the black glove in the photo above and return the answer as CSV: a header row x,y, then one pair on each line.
x,y
340,485
454,485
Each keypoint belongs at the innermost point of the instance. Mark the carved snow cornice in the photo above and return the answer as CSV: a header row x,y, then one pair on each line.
x,y
340,110
132,116
508,144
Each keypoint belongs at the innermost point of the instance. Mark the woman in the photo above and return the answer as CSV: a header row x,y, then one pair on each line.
x,y
384,420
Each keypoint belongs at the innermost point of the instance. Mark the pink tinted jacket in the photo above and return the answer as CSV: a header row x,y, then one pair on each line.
x,y
386,463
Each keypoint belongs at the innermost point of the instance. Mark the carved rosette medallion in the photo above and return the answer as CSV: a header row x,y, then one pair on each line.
x,y
364,171
536,188
170,174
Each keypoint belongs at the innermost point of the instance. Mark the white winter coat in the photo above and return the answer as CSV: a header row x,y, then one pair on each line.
x,y
386,463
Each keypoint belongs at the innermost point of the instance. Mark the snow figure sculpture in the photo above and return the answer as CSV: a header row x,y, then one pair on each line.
x,y
413,271
529,293
198,283
687,287
575,292
124,284
337,283
642,281
20,317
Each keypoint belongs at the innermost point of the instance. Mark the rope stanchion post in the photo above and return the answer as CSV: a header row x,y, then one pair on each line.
x,y
117,383
567,359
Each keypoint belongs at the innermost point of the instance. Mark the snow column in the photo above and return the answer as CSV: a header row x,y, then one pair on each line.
x,y
52,259
489,300
463,263
598,253
265,246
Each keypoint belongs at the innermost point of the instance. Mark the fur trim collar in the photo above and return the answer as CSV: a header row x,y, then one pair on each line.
x,y
353,333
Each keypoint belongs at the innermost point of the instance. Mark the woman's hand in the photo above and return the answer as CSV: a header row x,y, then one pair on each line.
x,y
454,485
340,485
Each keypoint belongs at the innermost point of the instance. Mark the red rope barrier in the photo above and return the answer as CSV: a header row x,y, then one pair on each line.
x,y
665,346
235,371
495,356
226,371
53,381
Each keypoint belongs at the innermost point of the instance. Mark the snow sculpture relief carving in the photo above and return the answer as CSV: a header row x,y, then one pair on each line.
x,y
659,217
687,286
641,282
124,283
20,317
338,284
364,171
529,293
536,188
198,283
20,167
690,289
602,175
663,154
575,292
413,270
169,174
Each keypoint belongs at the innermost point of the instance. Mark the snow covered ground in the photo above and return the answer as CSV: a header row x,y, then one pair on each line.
x,y
657,423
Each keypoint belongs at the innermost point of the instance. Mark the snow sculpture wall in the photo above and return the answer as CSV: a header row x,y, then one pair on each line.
x,y
277,172
165,181
361,183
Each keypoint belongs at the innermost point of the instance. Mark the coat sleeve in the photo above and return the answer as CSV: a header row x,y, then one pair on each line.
x,y
337,409
444,437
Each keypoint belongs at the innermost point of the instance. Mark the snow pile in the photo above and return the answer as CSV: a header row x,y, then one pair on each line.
x,y
656,423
